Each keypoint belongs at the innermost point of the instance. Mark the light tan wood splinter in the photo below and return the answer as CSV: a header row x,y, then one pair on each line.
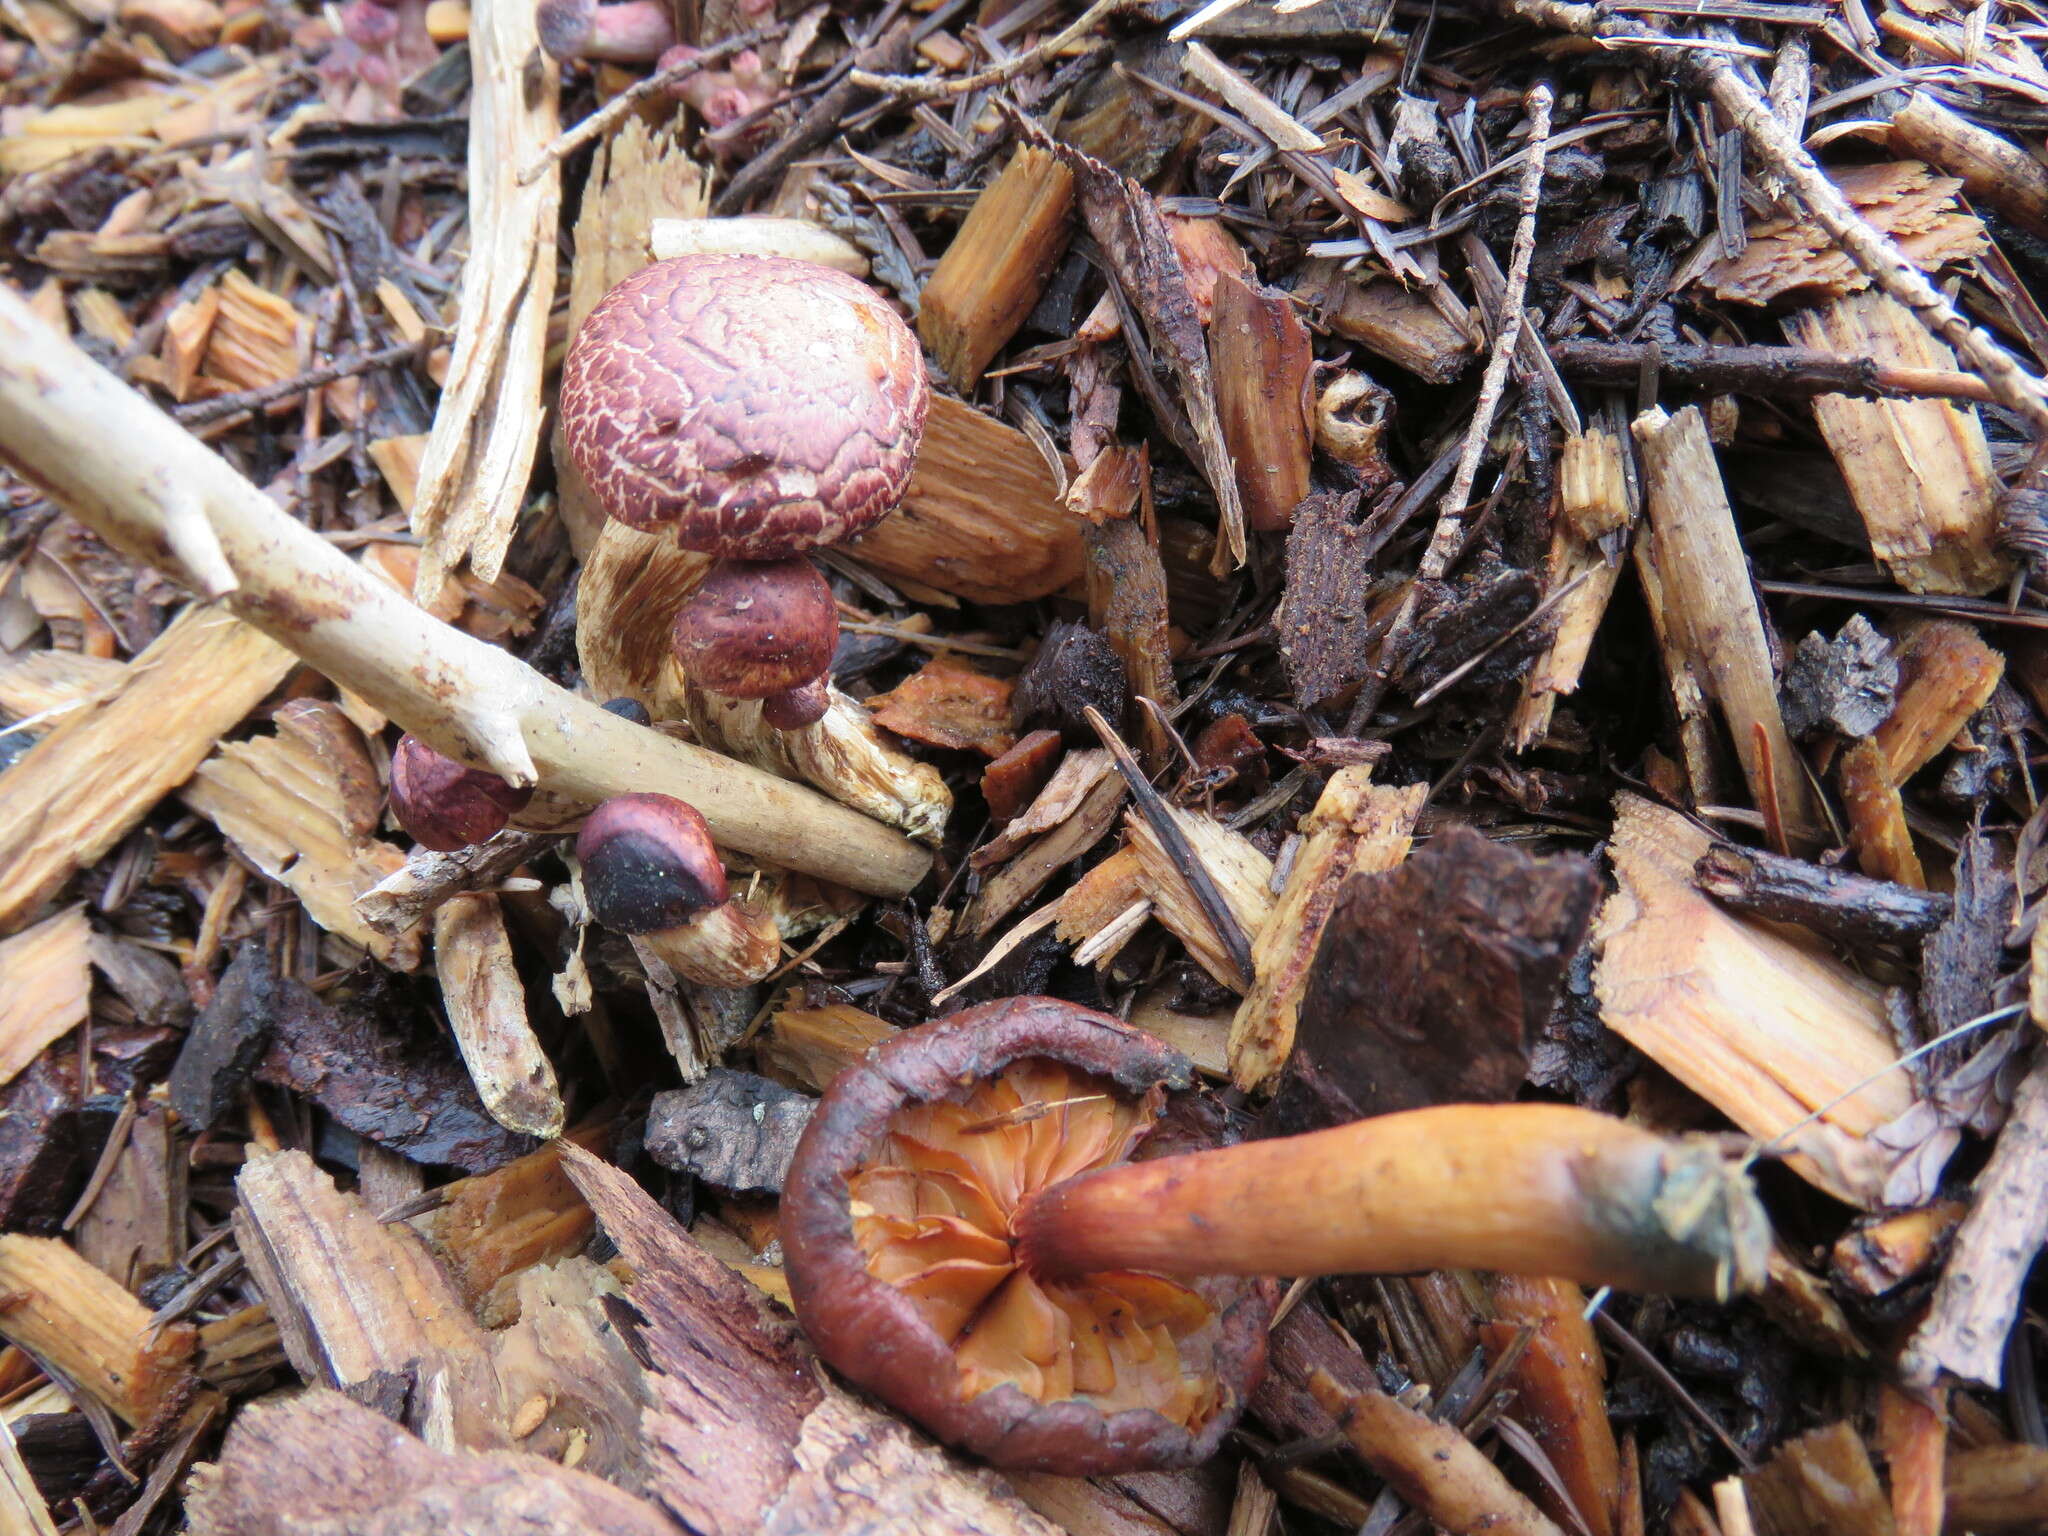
x,y
1542,1189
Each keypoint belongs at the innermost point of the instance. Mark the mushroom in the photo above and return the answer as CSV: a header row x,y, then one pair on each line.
x,y
651,870
445,805
622,32
1011,1225
758,408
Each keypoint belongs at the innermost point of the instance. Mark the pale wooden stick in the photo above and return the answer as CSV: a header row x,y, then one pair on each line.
x,y
487,1015
60,411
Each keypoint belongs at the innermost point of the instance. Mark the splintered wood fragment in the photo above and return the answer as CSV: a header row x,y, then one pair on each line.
x,y
1912,1435
1086,817
1790,253
1947,673
1012,781
334,1463
982,517
1559,1382
135,1228
34,681
104,766
1592,503
1874,1256
256,338
490,1227
1766,1029
1355,828
1071,782
487,427
811,1046
1390,322
1128,605
1994,171
1261,355
486,1004
637,175
748,1435
62,1310
1876,813
1430,1463
405,896
45,987
997,265
1919,471
284,809
1820,1482
1977,1301
1999,1490
1100,898
1690,701
1189,865
1707,586
756,235
360,1303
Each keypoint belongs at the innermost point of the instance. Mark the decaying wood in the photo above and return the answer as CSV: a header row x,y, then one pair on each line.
x,y
1919,470
491,1227
134,1227
464,698
1434,1467
1707,587
1085,808
1260,352
78,1321
1356,828
1843,906
1978,1297
1389,321
320,1461
1580,573
735,1131
993,272
811,1046
83,787
1765,1029
283,808
486,1003
1128,606
487,427
1432,979
45,987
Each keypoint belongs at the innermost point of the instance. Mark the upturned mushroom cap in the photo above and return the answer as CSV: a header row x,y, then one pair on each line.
x,y
758,406
894,1224
446,805
648,863
757,628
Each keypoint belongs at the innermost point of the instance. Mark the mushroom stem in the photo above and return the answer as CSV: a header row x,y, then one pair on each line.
x,y
735,944
1536,1189
58,411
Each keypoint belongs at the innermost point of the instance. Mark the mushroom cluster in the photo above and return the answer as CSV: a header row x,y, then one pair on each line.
x,y
757,408
1015,1225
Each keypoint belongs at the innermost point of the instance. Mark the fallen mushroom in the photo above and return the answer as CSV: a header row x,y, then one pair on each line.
x,y
445,805
651,870
1013,1225
757,407
622,32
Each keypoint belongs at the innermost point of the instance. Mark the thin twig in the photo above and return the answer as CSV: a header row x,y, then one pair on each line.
x,y
934,88
1450,526
600,122
201,412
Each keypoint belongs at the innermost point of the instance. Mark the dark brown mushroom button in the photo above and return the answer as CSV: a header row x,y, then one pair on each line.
x,y
754,629
445,805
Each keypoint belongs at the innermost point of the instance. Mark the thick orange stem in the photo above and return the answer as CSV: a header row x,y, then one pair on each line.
x,y
1535,1189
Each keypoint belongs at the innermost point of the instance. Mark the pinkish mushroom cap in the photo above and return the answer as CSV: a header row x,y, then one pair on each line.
x,y
758,406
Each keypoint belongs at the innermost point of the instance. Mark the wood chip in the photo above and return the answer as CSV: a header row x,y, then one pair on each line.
x,y
45,987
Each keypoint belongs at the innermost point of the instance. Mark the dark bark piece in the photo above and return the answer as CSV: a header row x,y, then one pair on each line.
x,y
1013,780
147,982
733,1130
1473,622
1433,979
1075,669
1959,963
745,1435
60,1451
1845,906
320,1463
227,1040
1324,619
49,1141
1846,685
1301,1344
373,1064
1127,598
